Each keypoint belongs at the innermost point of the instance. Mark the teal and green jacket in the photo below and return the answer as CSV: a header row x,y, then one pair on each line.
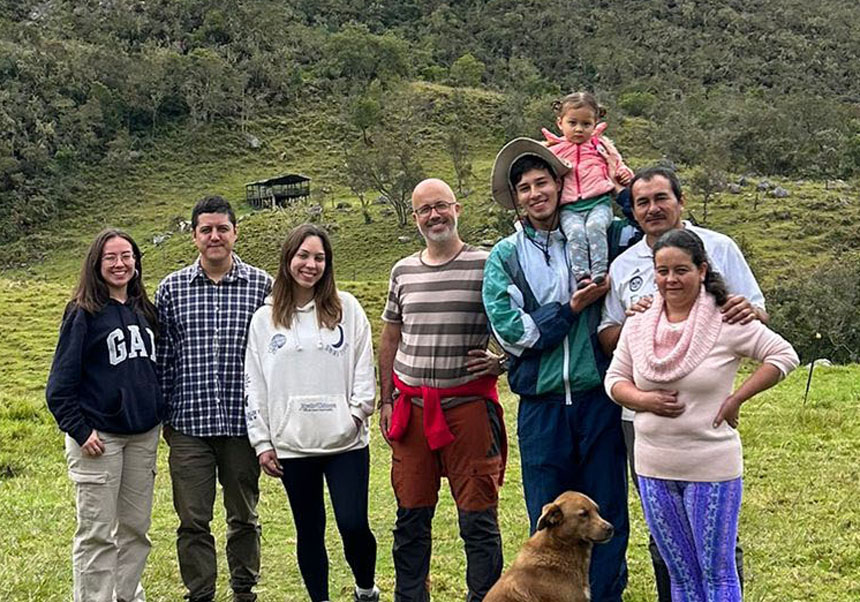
x,y
554,353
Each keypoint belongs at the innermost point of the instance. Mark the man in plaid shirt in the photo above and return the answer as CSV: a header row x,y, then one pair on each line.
x,y
203,312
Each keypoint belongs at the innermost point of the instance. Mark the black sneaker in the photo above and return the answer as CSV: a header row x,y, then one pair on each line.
x,y
371,597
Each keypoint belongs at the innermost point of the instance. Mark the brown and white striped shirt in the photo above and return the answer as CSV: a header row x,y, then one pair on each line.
x,y
441,313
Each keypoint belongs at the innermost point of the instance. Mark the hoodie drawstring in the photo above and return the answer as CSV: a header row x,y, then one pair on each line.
x,y
294,330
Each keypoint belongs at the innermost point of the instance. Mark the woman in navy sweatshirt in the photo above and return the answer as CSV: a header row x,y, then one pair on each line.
x,y
104,393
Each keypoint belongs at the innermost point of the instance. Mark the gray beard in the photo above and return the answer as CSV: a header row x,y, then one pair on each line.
x,y
450,233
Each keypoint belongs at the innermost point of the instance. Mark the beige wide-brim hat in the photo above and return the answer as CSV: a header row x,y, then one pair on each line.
x,y
515,149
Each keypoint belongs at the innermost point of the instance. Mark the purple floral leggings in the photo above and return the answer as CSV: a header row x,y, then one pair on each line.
x,y
695,525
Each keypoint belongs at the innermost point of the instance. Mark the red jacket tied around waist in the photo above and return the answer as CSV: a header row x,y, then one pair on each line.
x,y
435,427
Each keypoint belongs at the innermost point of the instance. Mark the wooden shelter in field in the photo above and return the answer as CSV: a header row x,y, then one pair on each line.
x,y
278,191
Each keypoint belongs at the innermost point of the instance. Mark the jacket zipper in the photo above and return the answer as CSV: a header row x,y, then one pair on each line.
x,y
565,376
568,396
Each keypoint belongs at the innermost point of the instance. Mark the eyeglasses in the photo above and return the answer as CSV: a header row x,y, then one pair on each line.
x,y
111,259
441,207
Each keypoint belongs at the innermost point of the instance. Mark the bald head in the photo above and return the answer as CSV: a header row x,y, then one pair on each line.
x,y
431,190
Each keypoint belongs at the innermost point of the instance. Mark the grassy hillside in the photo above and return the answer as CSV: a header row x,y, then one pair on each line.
x,y
151,194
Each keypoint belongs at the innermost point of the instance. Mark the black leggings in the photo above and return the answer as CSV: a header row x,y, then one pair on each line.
x,y
347,476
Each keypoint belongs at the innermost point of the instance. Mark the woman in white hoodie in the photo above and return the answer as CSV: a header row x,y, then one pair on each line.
x,y
310,389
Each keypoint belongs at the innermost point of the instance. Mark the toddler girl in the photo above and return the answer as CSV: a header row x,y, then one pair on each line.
x,y
586,194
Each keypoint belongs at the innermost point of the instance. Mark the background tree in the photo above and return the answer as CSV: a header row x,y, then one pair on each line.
x,y
389,161
467,71
210,87
457,142
825,302
356,177
707,180
365,111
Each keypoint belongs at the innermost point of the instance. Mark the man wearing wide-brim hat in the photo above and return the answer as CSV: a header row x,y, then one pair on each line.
x,y
569,431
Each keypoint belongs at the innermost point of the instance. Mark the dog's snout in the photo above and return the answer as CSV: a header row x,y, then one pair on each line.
x,y
605,533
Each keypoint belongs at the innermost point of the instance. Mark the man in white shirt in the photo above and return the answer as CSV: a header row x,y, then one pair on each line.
x,y
657,204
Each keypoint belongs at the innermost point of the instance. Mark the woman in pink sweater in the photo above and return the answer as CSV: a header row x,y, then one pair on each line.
x,y
675,365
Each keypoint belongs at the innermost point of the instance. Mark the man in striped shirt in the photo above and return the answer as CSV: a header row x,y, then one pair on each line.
x,y
446,420
203,315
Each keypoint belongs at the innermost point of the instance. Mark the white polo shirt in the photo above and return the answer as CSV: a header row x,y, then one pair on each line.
x,y
631,277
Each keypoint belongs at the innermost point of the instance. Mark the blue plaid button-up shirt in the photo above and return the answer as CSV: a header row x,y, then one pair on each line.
x,y
201,348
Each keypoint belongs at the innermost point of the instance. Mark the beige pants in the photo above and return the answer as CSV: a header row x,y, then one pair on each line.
x,y
114,508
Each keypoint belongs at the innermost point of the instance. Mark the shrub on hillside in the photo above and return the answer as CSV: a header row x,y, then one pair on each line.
x,y
819,313
637,104
467,71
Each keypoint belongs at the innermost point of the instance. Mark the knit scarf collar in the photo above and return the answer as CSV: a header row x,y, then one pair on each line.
x,y
699,335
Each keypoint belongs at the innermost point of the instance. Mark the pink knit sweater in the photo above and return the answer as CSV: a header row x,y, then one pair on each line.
x,y
689,448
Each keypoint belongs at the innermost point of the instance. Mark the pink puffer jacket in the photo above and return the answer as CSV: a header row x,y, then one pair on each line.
x,y
589,176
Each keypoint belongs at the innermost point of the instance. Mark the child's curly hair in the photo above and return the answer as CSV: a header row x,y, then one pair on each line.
x,y
577,100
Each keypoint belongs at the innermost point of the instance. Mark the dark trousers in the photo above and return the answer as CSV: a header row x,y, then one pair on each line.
x,y
579,447
347,476
472,463
195,462
412,543
661,571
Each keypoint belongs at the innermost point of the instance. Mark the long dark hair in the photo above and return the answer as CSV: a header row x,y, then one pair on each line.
x,y
92,292
692,245
329,310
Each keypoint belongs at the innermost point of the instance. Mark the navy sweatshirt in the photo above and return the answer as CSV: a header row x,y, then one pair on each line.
x,y
103,376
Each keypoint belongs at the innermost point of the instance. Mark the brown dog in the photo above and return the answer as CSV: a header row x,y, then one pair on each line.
x,y
553,564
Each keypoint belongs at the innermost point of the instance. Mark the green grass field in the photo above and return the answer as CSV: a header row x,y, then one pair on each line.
x,y
799,523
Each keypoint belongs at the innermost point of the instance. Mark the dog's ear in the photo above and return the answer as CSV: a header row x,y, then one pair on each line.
x,y
552,516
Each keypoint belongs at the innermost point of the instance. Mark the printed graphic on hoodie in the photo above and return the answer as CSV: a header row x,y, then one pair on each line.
x,y
340,346
276,343
122,347
337,347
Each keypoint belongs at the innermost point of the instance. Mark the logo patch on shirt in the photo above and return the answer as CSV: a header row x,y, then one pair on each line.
x,y
339,347
636,283
339,343
276,343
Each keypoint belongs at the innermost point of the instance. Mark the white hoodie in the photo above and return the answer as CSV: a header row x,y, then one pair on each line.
x,y
304,384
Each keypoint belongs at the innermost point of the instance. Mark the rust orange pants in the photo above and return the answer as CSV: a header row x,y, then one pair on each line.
x,y
471,463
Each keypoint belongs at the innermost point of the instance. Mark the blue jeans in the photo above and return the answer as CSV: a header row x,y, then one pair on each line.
x,y
579,447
